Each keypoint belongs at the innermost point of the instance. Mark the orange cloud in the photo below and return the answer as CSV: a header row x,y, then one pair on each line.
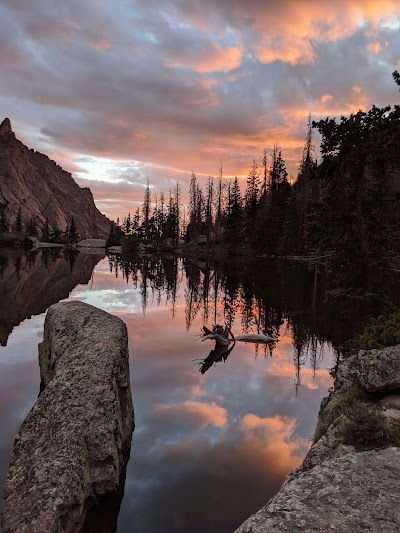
x,y
273,437
326,98
376,47
201,414
289,31
214,58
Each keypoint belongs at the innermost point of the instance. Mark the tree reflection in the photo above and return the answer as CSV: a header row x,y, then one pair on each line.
x,y
264,298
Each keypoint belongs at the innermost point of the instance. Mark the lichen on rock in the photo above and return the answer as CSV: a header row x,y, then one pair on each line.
x,y
72,448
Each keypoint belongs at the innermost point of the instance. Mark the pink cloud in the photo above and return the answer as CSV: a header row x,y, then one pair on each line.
x,y
215,58
272,437
289,31
197,413
192,84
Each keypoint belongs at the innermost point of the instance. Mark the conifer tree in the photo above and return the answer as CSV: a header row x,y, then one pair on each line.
x,y
46,231
265,180
209,209
253,189
3,218
128,224
31,228
146,211
193,226
218,216
72,233
55,235
18,221
233,226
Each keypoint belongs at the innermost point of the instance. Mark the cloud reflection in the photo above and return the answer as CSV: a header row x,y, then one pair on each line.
x,y
208,450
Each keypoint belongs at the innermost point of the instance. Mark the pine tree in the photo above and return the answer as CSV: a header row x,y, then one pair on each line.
x,y
218,217
209,209
55,235
265,180
46,231
233,226
128,224
177,208
18,221
146,211
193,226
308,161
278,173
31,228
196,210
72,233
253,190
115,235
3,218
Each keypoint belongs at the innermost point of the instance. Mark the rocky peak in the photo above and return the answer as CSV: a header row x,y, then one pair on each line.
x,y
5,127
40,190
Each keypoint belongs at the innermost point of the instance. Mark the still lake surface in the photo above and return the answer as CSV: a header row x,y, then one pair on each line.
x,y
208,449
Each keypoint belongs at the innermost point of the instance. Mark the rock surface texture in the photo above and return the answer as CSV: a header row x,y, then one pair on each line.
x,y
343,487
71,449
32,182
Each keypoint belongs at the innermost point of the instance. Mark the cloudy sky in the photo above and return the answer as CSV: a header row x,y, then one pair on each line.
x,y
117,91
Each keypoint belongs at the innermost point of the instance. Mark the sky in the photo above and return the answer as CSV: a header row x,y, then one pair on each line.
x,y
118,92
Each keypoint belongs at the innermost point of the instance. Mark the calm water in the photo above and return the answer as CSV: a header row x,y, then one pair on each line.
x,y
208,449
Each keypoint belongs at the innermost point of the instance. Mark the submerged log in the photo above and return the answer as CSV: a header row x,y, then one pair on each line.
x,y
257,338
72,448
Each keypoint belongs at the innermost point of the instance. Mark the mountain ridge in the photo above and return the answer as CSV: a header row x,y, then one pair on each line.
x,y
37,186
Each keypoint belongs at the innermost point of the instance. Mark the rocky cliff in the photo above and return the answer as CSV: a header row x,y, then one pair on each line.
x,y
350,479
72,448
32,182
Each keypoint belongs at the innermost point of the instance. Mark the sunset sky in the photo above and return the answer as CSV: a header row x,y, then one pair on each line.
x,y
118,91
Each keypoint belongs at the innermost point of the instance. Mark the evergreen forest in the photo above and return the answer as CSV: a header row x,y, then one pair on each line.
x,y
342,210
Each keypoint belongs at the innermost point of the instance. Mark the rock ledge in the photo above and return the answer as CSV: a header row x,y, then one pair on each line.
x,y
71,449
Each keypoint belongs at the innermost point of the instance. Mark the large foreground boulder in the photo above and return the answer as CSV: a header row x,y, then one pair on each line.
x,y
350,478
72,448
355,492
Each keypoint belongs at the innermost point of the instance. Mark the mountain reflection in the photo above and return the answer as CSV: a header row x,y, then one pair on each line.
x,y
32,281
268,298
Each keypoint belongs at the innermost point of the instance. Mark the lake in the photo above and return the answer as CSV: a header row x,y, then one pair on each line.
x,y
209,448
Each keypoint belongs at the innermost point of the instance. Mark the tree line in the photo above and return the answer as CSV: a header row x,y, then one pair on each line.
x,y
343,207
31,228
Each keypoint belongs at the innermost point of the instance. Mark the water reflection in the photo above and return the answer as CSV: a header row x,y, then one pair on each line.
x,y
265,297
225,341
208,448
30,282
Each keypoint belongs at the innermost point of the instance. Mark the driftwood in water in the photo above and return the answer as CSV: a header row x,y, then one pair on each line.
x,y
218,333
256,338
221,350
223,338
